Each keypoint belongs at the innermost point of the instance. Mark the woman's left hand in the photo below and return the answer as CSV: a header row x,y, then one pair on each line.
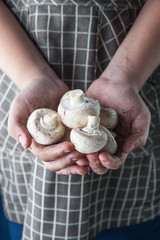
x,y
133,121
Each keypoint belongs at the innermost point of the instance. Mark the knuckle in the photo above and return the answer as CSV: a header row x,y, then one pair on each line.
x,y
50,167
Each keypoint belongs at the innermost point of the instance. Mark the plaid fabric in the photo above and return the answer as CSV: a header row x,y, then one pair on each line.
x,y
78,39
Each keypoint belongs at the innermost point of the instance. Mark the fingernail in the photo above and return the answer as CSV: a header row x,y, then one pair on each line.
x,y
74,159
22,141
102,159
67,151
132,147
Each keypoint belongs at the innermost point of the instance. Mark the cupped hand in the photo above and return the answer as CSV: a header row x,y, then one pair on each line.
x,y
44,92
133,121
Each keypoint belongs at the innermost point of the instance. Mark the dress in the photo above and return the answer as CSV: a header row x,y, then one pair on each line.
x,y
78,38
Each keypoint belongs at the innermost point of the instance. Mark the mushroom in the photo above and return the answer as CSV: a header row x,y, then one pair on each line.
x,y
90,138
111,145
113,133
45,126
74,108
66,136
109,118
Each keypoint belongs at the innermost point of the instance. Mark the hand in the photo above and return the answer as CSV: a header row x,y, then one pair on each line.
x,y
133,123
42,92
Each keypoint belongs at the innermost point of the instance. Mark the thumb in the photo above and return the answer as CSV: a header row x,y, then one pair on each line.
x,y
132,142
24,138
19,132
17,128
139,134
139,131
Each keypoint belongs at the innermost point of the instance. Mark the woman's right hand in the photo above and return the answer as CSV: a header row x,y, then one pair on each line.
x,y
44,91
40,87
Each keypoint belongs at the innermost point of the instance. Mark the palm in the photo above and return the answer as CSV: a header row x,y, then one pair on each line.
x,y
42,94
38,94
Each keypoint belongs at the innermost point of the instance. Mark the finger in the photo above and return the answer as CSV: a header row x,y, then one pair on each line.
x,y
51,152
74,169
112,161
82,162
63,162
95,164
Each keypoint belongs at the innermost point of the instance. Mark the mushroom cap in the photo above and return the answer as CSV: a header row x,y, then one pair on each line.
x,y
89,139
74,108
111,145
113,133
87,142
45,126
109,118
66,136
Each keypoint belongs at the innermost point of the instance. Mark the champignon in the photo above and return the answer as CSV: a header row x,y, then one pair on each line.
x,y
74,108
109,118
90,138
66,136
45,126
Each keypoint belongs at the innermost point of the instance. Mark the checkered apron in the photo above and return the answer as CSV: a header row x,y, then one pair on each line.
x,y
78,38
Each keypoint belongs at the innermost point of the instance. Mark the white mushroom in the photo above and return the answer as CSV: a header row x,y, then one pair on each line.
x,y
45,126
74,109
89,139
113,133
111,145
109,118
66,136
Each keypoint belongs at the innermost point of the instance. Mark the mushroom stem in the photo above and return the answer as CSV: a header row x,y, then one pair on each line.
x,y
76,97
49,121
74,108
109,118
92,125
89,139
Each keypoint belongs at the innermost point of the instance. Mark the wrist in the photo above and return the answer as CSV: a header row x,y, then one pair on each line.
x,y
43,88
122,72
35,73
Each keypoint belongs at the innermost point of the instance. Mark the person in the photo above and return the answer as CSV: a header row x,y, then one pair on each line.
x,y
109,49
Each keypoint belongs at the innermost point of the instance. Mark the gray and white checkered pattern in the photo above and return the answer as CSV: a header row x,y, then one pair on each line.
x,y
78,39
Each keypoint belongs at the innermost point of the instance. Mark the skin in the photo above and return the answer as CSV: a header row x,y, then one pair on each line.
x,y
133,125
117,87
